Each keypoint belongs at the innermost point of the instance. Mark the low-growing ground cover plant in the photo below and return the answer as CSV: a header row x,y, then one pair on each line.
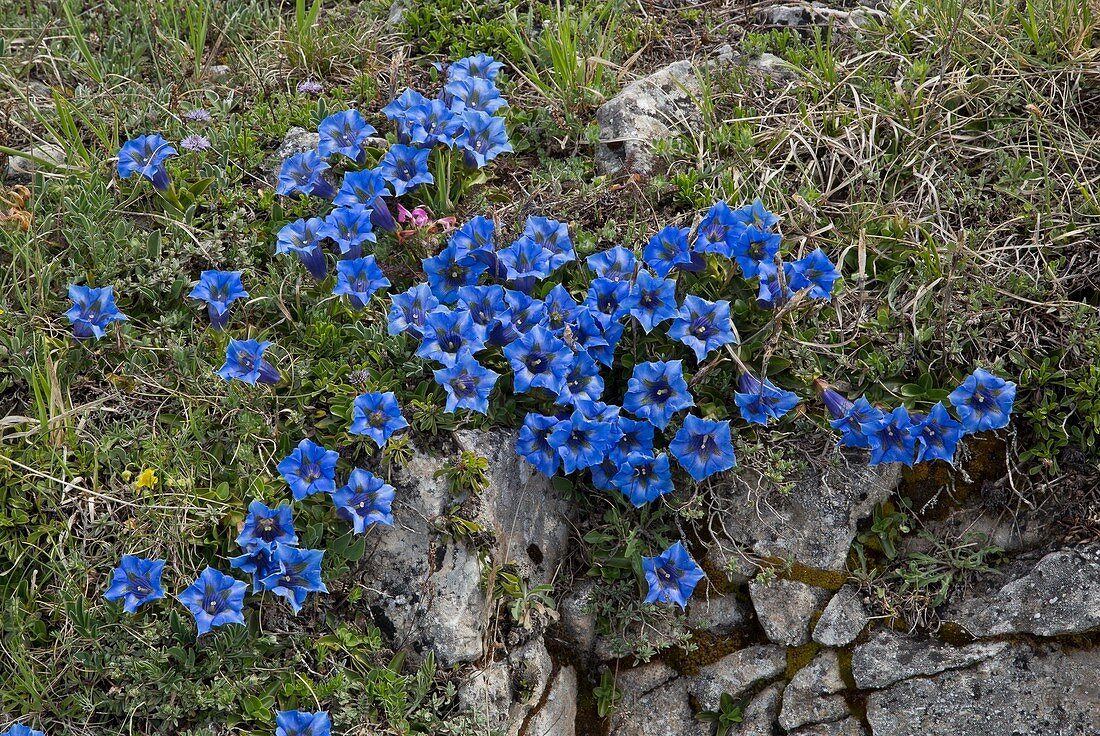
x,y
252,345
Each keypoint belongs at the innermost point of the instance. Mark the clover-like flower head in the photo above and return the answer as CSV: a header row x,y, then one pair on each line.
x,y
136,581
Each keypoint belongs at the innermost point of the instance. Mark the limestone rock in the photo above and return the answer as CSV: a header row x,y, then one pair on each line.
x,y
52,154
811,695
558,714
785,607
759,716
735,673
1060,595
843,619
847,727
816,522
488,692
719,614
807,15
890,657
529,519
654,703
1023,690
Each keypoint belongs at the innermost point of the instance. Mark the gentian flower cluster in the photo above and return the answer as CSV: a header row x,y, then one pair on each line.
x,y
19,729
983,402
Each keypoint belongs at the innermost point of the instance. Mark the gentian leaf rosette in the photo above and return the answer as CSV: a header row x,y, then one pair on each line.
x,y
482,139
703,447
760,402
450,270
218,289
409,311
857,421
358,279
19,729
653,300
554,237
814,272
136,581
668,249
894,441
302,723
265,527
539,360
581,441
304,238
215,599
937,435
671,576
244,361
405,168
298,575
309,469
146,155
303,173
644,478
344,133
349,228
719,231
377,415
753,248
92,310
467,383
983,401
447,333
703,325
533,443
365,500
657,390
614,264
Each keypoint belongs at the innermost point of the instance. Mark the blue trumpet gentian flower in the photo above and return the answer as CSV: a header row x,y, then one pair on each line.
x,y
656,391
136,581
983,401
92,310
703,447
671,576
214,599
297,575
377,416
309,469
219,289
365,500
358,279
244,361
146,155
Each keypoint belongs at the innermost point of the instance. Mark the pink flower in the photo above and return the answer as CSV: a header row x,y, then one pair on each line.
x,y
419,217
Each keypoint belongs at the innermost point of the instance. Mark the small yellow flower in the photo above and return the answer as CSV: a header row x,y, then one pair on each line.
x,y
147,479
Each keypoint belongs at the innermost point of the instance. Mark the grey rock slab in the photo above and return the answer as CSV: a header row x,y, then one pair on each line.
x,y
530,519
488,693
735,673
52,154
843,619
718,614
1023,691
811,696
577,622
816,522
846,727
558,714
654,703
454,618
890,657
760,715
1060,595
784,609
